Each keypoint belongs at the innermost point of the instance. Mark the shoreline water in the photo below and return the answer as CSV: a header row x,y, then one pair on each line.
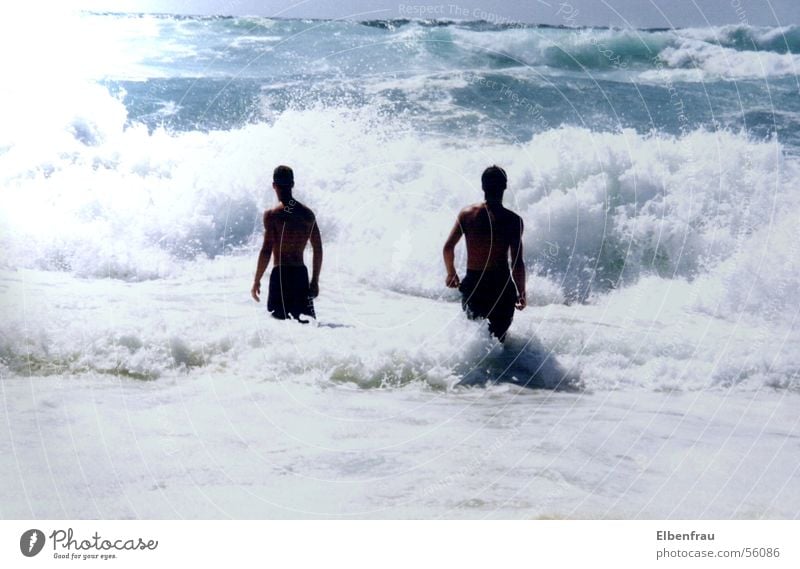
x,y
487,453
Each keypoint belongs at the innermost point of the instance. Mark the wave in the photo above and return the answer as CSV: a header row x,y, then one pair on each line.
x,y
369,338
712,60
743,37
730,52
632,52
703,219
140,46
103,198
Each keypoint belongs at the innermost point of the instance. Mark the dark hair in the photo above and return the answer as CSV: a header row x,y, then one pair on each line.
x,y
494,181
283,177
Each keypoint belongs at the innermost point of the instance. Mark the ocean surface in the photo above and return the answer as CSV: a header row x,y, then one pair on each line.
x,y
658,175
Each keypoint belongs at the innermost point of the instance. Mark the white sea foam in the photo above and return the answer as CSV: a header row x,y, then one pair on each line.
x,y
87,193
707,215
644,54
718,61
748,38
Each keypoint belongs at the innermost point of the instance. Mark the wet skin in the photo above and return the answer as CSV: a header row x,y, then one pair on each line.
x,y
493,235
288,228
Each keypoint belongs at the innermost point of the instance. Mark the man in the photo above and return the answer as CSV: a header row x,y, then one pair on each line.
x,y
492,233
287,229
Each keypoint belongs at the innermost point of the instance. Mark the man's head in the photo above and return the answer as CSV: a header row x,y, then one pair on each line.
x,y
283,182
493,181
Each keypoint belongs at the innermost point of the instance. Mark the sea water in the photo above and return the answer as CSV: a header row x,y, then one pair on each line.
x,y
657,174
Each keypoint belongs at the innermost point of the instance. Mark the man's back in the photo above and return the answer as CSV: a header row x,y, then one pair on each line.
x,y
290,227
490,231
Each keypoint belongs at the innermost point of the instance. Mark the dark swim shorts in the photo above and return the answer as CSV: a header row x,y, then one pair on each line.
x,y
288,293
489,294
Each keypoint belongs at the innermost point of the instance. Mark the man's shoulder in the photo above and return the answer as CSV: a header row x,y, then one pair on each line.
x,y
307,211
512,222
273,216
471,210
291,211
271,213
300,212
512,215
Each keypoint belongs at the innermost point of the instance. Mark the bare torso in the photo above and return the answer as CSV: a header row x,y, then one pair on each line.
x,y
489,232
290,228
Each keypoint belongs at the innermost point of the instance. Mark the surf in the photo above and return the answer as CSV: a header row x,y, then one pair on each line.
x,y
102,188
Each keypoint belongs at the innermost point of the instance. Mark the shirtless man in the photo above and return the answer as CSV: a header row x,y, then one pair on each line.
x,y
492,233
287,229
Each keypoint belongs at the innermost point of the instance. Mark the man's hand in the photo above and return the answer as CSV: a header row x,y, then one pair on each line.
x,y
522,302
313,289
452,280
255,292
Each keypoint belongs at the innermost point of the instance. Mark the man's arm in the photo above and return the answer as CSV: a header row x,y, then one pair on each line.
x,y
263,259
518,266
316,247
449,254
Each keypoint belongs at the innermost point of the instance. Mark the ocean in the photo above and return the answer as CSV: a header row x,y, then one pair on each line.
x,y
654,373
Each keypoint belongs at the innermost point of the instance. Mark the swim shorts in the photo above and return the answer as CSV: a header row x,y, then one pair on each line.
x,y
289,293
489,294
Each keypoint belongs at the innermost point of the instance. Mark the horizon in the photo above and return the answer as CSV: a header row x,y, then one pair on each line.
x,y
404,19
657,14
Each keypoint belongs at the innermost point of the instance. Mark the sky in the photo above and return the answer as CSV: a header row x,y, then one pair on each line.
x,y
622,13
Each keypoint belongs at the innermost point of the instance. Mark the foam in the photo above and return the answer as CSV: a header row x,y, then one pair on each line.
x,y
102,198
640,53
717,61
657,335
749,38
683,261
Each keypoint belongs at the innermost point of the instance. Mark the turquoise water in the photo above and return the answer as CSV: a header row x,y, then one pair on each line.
x,y
466,79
